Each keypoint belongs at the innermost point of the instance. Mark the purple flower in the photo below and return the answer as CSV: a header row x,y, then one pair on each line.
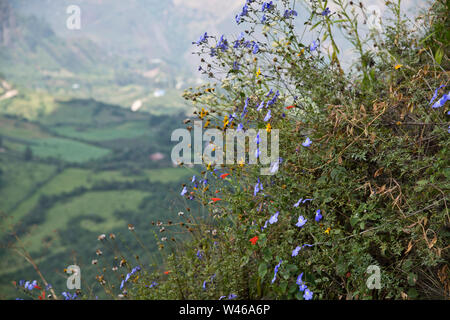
x,y
184,191
268,116
314,45
267,6
301,221
436,93
307,142
274,167
258,187
318,216
301,201
289,13
296,251
326,12
276,271
261,105
255,48
199,254
232,296
223,43
257,153
193,179
299,279
302,287
203,38
442,101
308,294
274,218
240,127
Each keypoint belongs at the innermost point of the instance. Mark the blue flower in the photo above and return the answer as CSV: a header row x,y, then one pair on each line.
x,y
326,12
199,254
301,201
236,66
289,13
301,221
307,142
154,284
263,18
193,179
318,216
184,191
274,218
296,251
257,139
270,93
268,116
232,296
261,105
276,271
302,287
267,6
441,101
258,187
203,38
244,111
299,279
274,167
255,48
68,296
223,43
436,93
314,45
240,127
308,294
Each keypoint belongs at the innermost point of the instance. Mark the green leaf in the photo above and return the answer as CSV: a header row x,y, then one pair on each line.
x,y
438,55
412,293
262,269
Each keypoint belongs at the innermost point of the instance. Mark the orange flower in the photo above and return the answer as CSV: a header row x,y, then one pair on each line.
x,y
223,176
254,240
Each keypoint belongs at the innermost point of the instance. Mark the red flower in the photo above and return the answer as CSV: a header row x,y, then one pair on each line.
x,y
223,176
290,107
254,240
166,272
215,199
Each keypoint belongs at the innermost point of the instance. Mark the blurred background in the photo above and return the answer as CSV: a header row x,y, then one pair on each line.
x,y
85,123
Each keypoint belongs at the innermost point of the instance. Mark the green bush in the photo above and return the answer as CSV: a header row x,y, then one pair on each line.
x,y
377,165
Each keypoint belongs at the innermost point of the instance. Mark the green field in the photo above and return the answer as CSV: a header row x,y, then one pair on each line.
x,y
122,131
67,150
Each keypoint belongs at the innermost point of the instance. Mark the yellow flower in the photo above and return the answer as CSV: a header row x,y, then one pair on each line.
x,y
207,124
242,162
258,73
398,66
327,231
301,52
268,127
202,113
225,121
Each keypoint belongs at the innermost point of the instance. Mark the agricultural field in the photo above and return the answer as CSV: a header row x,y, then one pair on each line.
x,y
77,171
